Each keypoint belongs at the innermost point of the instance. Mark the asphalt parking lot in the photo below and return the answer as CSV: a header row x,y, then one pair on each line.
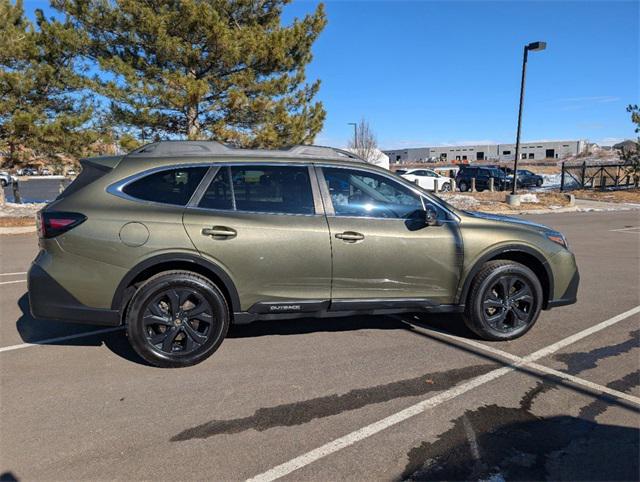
x,y
380,398
37,189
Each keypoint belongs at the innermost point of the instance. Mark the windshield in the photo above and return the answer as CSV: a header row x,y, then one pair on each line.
x,y
497,173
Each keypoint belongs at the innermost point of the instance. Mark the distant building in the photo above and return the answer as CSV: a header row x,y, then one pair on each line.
x,y
488,152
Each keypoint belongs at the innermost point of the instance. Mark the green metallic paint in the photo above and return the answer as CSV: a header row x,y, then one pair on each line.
x,y
281,257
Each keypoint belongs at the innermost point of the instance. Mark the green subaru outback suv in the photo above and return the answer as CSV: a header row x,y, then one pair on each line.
x,y
177,240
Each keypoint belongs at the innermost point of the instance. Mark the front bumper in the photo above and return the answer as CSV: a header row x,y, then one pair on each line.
x,y
570,295
49,300
566,279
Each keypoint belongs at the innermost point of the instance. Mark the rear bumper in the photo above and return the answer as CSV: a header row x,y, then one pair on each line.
x,y
49,300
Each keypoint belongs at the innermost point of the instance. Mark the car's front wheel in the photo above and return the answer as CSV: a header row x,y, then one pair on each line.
x,y
464,186
177,319
504,301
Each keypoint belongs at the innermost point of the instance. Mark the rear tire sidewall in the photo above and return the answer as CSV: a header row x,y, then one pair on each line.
x,y
539,182
463,186
474,312
156,284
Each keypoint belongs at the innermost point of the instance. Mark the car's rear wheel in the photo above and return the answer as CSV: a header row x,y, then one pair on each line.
x,y
504,301
539,182
446,187
464,186
177,319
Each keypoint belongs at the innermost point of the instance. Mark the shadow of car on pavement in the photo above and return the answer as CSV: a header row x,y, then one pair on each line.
x,y
39,331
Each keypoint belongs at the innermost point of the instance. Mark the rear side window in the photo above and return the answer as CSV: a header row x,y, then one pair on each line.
x,y
173,186
262,189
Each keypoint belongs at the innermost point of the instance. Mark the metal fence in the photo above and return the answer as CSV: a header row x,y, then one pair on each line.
x,y
594,176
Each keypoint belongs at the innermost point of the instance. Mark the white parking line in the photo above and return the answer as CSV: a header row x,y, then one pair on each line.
x,y
11,282
372,429
13,274
523,362
50,341
631,230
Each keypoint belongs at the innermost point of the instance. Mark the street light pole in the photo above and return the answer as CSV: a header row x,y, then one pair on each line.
x,y
534,46
355,134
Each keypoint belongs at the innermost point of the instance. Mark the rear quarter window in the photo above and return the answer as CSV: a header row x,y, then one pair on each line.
x,y
171,186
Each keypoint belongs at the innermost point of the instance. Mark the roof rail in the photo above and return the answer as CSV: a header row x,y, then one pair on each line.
x,y
323,151
214,148
176,148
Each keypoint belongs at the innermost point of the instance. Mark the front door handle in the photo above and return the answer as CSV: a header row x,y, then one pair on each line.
x,y
219,231
350,236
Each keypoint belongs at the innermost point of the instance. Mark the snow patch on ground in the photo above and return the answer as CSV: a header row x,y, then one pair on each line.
x,y
529,198
461,202
13,210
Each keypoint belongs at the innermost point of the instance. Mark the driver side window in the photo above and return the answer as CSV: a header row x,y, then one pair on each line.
x,y
357,193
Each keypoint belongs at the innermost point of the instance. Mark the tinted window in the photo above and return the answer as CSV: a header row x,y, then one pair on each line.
x,y
272,189
173,186
218,194
359,193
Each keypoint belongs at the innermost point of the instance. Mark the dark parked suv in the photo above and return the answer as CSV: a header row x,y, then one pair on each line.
x,y
482,174
177,240
527,179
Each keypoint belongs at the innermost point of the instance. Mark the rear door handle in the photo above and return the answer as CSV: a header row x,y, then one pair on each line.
x,y
219,231
350,236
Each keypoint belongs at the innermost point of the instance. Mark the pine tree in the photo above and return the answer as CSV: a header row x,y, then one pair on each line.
x,y
44,108
204,69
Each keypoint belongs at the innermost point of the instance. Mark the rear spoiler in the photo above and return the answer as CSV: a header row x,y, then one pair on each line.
x,y
93,168
104,163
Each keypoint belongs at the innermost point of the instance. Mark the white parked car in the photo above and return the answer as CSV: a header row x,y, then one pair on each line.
x,y
6,178
428,179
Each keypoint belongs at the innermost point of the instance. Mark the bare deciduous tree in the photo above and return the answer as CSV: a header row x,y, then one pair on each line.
x,y
364,143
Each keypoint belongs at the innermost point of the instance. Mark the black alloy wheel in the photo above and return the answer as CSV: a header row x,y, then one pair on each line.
x,y
508,303
504,300
177,319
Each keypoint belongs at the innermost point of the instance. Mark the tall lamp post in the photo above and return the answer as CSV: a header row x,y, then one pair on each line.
x,y
533,47
355,134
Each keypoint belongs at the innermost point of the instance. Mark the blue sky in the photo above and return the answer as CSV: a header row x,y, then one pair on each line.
x,y
428,72
435,72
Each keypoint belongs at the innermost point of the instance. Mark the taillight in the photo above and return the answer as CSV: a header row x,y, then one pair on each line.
x,y
54,223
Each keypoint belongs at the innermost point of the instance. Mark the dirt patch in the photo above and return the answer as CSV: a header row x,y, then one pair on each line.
x,y
18,215
496,201
13,222
621,196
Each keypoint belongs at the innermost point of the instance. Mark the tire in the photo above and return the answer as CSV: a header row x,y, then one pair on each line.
x,y
446,187
539,182
3,182
160,328
494,314
463,186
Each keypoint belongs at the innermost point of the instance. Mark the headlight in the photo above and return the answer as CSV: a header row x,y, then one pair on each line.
x,y
558,238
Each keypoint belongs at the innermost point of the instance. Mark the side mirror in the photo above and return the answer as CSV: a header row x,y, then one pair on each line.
x,y
431,215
